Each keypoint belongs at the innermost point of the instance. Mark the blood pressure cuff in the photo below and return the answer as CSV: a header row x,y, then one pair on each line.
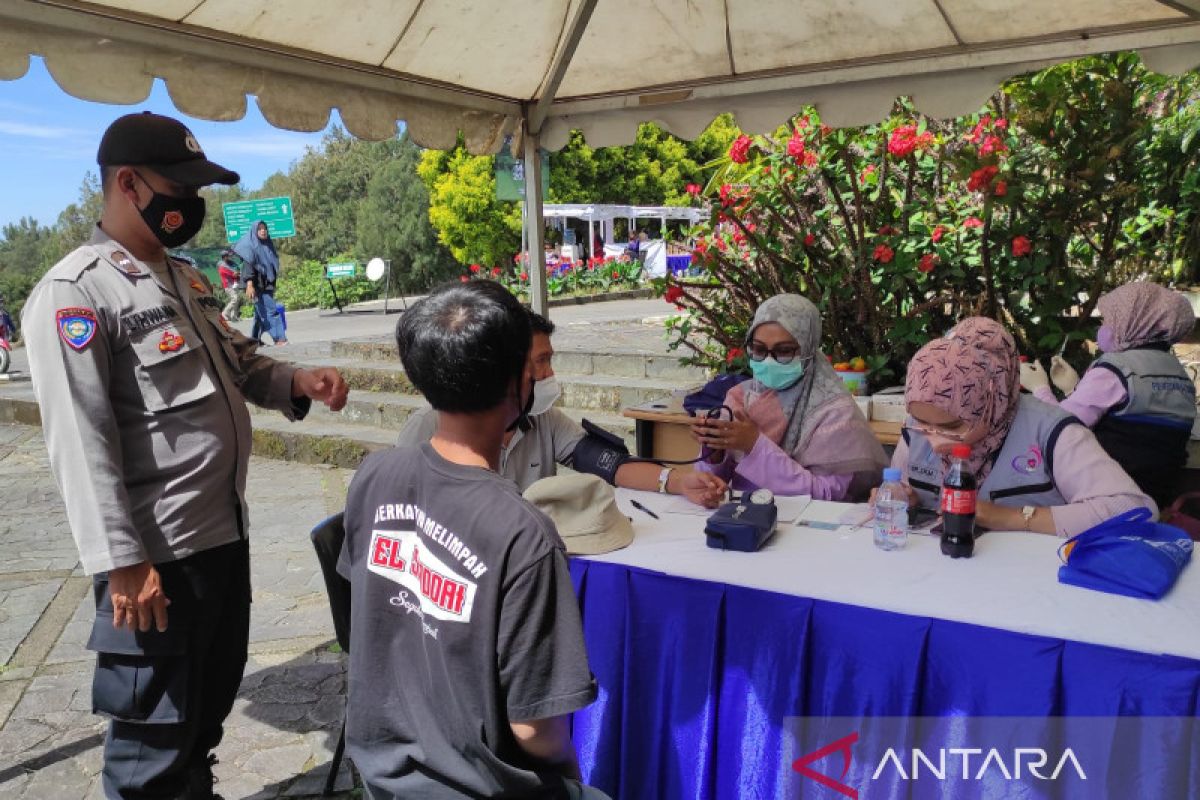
x,y
600,453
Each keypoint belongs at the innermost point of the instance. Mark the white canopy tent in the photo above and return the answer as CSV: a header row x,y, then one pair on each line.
x,y
539,68
606,213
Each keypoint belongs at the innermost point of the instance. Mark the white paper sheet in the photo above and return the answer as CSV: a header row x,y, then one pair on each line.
x,y
790,508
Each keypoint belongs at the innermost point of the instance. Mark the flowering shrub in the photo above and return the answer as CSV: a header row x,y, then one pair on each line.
x,y
590,276
1025,212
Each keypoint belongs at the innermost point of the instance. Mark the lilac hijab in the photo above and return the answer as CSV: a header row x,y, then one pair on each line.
x,y
1141,313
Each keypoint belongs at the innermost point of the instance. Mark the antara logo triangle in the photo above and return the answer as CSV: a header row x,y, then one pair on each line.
x,y
842,746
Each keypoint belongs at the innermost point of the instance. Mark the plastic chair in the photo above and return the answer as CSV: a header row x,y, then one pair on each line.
x,y
327,540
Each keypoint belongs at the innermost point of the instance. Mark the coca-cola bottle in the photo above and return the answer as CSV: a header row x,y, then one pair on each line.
x,y
958,505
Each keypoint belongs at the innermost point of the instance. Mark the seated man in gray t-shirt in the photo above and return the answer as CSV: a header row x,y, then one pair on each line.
x,y
533,454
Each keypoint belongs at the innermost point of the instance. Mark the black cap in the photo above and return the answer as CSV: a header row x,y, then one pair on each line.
x,y
164,145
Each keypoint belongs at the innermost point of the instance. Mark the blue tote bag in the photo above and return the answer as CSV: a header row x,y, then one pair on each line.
x,y
1129,554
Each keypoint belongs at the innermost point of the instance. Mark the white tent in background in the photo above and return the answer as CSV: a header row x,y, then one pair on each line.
x,y
605,214
487,68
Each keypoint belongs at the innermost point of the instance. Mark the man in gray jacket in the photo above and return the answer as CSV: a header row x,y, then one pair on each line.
x,y
142,386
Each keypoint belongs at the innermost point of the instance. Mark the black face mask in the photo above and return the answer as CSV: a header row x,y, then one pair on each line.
x,y
522,420
173,220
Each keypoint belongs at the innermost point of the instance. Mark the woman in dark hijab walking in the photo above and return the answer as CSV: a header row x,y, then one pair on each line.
x,y
260,271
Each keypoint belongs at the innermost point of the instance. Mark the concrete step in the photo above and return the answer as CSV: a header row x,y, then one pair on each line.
x,y
583,392
625,361
389,411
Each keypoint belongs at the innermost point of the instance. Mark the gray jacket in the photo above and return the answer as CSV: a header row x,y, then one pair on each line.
x,y
142,387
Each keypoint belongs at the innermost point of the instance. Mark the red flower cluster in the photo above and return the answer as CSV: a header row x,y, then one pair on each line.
x,y
1000,189
928,262
673,294
887,230
905,140
938,233
739,151
524,276
883,254
973,222
869,169
693,189
495,272
796,147
809,240
981,179
616,274
1021,246
726,194
992,144
475,268
733,354
463,278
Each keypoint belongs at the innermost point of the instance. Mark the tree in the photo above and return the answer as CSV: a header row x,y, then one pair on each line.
x,y
470,221
654,170
393,223
328,186
1071,181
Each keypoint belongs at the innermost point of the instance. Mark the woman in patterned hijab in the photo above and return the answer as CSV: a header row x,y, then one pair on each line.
x,y
972,377
965,388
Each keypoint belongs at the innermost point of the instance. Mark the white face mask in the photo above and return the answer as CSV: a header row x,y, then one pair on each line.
x,y
545,394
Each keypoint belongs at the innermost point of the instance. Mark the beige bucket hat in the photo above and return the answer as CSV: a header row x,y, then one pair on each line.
x,y
584,509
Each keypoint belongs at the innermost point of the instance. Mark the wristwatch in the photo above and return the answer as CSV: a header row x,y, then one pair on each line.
x,y
663,477
1027,513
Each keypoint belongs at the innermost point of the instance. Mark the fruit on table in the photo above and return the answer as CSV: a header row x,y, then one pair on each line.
x,y
858,364
842,366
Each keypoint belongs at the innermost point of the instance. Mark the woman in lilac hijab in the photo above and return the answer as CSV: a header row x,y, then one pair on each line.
x,y
796,430
1136,396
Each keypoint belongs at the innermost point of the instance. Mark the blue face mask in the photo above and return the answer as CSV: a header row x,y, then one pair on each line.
x,y
773,375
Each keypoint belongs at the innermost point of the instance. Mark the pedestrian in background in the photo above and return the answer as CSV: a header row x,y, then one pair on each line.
x,y
260,273
142,386
231,282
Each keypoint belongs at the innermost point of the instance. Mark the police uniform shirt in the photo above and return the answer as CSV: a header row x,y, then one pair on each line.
x,y
528,457
142,387
464,620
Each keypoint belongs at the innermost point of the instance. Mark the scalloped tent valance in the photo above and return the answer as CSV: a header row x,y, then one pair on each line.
x,y
480,68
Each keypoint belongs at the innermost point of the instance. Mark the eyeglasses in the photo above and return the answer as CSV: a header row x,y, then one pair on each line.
x,y
783,353
930,430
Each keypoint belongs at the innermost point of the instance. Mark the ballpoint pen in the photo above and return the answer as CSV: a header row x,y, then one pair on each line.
x,y
642,508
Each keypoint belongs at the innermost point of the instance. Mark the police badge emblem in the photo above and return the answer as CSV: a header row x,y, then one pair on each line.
x,y
76,326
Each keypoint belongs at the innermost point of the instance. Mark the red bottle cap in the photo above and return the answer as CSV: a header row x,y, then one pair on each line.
x,y
961,451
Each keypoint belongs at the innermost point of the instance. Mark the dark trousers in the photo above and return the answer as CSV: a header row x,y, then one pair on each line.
x,y
168,694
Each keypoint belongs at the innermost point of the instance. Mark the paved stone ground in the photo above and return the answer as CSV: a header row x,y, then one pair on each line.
x,y
280,737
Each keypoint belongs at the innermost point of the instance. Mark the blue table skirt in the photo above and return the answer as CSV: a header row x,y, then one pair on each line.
x,y
696,679
679,263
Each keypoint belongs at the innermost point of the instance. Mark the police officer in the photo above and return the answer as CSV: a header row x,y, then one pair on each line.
x,y
142,387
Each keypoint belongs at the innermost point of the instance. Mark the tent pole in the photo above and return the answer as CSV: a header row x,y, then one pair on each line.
x,y
534,224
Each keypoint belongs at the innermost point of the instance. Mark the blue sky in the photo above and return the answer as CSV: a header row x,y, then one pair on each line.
x,y
48,142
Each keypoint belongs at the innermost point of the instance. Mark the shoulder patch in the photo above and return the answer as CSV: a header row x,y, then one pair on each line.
x,y
76,326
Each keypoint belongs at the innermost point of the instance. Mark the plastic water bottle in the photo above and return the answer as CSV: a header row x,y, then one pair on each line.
x,y
891,512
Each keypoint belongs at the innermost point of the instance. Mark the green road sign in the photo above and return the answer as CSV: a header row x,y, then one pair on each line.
x,y
510,174
275,211
340,270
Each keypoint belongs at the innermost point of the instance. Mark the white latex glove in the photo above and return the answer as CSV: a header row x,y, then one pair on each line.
x,y
1033,376
1063,374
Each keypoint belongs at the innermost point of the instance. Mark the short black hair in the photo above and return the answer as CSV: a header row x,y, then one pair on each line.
x,y
540,324
464,345
107,173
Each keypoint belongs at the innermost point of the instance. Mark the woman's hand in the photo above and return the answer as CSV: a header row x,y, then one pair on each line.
x,y
740,433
